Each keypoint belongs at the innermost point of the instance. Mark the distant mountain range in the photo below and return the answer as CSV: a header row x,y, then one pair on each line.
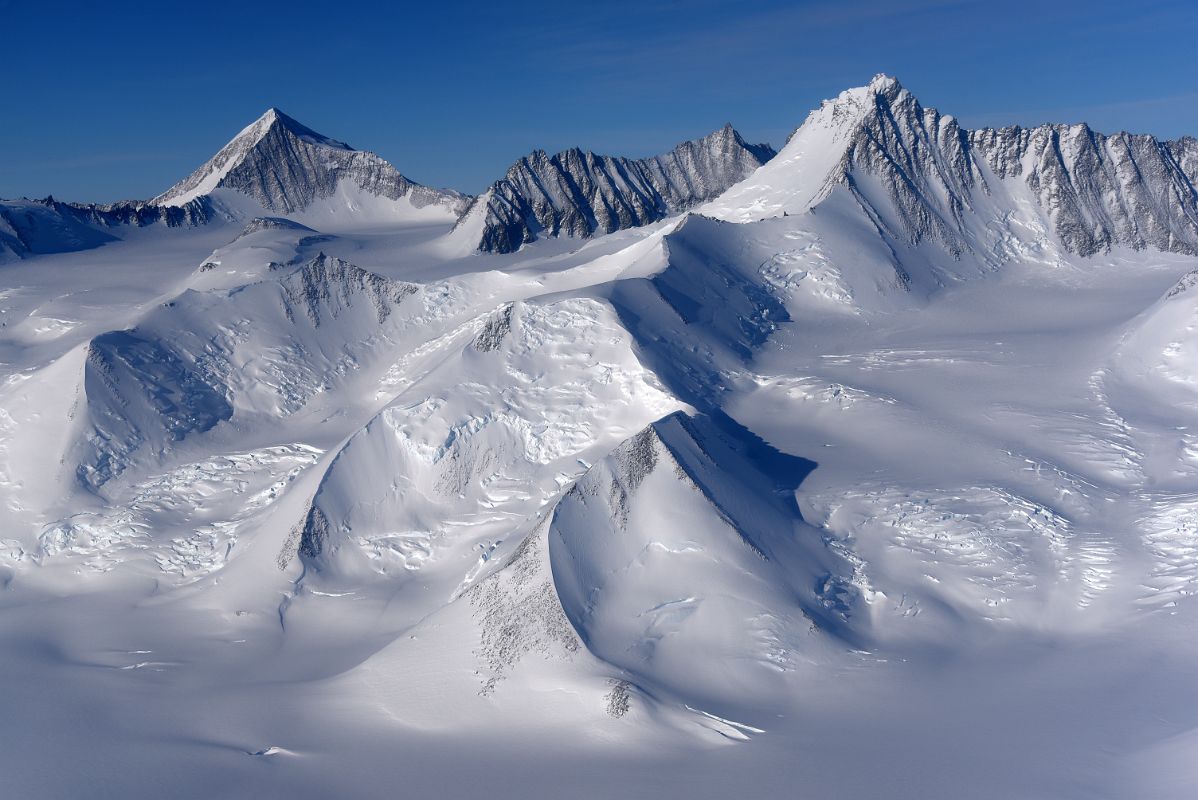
x,y
943,183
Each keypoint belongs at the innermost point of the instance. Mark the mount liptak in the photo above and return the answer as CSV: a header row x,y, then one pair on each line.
x,y
866,467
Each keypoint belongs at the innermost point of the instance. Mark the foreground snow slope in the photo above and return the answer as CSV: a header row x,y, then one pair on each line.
x,y
875,478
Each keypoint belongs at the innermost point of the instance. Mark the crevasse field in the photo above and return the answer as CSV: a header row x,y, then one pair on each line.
x,y
866,469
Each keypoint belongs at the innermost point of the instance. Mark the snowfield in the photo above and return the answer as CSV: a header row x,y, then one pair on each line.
x,y
868,472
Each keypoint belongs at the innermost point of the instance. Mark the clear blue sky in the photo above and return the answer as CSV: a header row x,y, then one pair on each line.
x,y
103,101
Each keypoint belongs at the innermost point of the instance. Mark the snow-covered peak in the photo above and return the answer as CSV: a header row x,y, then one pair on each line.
x,y
211,175
285,166
922,178
274,117
883,83
805,170
727,141
853,107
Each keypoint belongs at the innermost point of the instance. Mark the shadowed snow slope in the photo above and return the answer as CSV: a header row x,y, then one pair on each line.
x,y
198,359
678,559
32,227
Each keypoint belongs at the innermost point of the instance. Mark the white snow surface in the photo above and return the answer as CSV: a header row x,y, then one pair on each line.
x,y
324,504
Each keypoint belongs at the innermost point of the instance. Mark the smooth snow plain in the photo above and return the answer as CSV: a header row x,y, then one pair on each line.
x,y
717,506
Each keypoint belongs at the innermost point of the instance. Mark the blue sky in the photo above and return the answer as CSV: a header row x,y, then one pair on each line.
x,y
104,101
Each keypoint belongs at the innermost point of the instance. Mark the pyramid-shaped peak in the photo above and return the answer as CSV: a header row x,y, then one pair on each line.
x,y
727,133
854,107
274,118
259,151
728,139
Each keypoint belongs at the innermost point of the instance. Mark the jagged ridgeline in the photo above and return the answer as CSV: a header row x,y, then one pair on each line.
x,y
917,173
921,177
576,193
279,167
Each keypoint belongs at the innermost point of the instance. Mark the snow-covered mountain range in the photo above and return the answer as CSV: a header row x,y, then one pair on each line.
x,y
867,467
580,194
924,177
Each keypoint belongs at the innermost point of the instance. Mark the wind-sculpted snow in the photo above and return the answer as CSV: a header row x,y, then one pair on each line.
x,y
164,524
198,360
676,561
995,557
1170,533
454,464
581,194
286,167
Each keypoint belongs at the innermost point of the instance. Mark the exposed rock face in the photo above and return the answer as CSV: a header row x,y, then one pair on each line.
x,y
1100,190
579,194
329,285
30,227
286,167
921,158
273,223
1095,191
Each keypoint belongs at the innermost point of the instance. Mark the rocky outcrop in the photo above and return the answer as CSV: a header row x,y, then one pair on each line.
x,y
576,193
326,286
1100,191
942,182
